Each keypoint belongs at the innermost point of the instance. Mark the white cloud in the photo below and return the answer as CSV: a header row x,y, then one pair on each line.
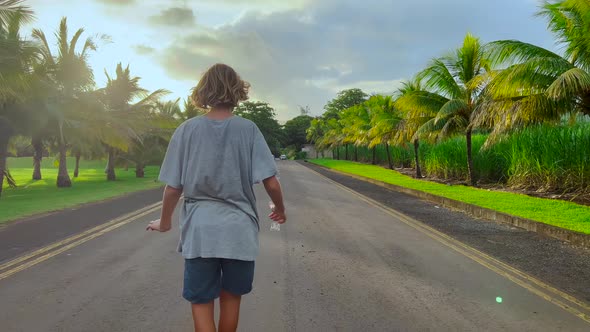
x,y
303,56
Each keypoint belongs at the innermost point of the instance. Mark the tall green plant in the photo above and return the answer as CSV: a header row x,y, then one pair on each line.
x,y
17,60
458,79
385,123
129,113
72,77
418,107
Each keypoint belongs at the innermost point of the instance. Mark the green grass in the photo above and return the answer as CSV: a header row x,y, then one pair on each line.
x,y
33,197
553,212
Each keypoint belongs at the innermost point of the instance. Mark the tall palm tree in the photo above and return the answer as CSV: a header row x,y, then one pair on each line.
x,y
129,113
540,85
315,134
458,78
384,123
72,77
356,124
418,107
333,138
17,58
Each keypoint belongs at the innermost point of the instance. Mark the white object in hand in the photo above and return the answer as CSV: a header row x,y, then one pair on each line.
x,y
274,226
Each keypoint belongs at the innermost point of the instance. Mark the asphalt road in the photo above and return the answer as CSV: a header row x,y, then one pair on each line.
x,y
340,264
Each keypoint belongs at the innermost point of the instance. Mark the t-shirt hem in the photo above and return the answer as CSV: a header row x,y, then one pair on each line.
x,y
225,256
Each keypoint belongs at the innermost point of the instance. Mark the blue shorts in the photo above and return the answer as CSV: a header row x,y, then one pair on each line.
x,y
204,278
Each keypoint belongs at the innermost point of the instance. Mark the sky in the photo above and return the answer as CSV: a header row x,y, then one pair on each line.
x,y
293,52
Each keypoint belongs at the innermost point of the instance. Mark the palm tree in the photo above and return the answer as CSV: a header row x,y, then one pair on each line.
x,y
333,137
418,107
315,134
356,124
72,77
457,78
190,110
9,9
384,123
540,85
127,120
17,58
170,108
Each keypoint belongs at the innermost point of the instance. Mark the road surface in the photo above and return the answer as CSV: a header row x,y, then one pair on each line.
x,y
340,264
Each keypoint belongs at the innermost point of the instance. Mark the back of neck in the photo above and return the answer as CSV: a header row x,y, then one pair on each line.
x,y
219,113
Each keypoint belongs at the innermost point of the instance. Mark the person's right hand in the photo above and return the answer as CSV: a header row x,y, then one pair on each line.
x,y
278,216
157,226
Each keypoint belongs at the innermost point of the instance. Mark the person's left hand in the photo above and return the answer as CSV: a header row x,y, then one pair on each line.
x,y
157,226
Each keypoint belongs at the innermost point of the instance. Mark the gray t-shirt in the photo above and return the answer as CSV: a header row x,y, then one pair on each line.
x,y
216,163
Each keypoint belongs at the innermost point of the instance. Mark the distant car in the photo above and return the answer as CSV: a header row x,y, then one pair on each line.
x,y
283,157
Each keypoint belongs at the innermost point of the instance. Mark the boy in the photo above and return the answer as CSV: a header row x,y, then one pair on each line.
x,y
215,159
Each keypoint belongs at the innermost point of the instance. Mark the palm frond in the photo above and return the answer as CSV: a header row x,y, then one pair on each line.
x,y
420,103
40,37
510,52
74,43
453,108
62,38
11,8
438,78
572,83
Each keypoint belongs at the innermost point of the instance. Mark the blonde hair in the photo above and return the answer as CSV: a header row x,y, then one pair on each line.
x,y
220,86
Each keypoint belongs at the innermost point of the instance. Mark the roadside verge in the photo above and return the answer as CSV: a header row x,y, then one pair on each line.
x,y
570,236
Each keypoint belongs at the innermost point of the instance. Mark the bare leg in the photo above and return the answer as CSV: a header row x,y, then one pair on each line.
x,y
229,311
203,317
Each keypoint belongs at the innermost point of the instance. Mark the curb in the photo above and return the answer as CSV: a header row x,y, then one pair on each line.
x,y
573,237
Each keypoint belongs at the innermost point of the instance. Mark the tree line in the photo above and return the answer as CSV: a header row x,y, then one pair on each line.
x,y
495,89
50,104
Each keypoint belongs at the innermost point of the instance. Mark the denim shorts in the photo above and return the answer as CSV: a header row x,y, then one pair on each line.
x,y
204,278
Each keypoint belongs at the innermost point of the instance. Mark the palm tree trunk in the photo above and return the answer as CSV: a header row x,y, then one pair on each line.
x,y
390,163
139,171
111,165
63,178
6,132
417,158
77,169
3,157
374,155
470,169
37,157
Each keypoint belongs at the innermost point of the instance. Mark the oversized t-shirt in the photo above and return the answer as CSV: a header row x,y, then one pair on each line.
x,y
216,163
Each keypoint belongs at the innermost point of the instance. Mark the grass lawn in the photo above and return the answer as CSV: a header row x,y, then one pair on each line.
x,y
553,212
32,197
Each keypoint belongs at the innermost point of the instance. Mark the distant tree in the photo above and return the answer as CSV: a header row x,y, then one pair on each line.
x,y
304,110
344,100
263,115
295,131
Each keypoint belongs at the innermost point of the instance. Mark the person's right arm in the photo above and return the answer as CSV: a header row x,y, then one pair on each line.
x,y
273,188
